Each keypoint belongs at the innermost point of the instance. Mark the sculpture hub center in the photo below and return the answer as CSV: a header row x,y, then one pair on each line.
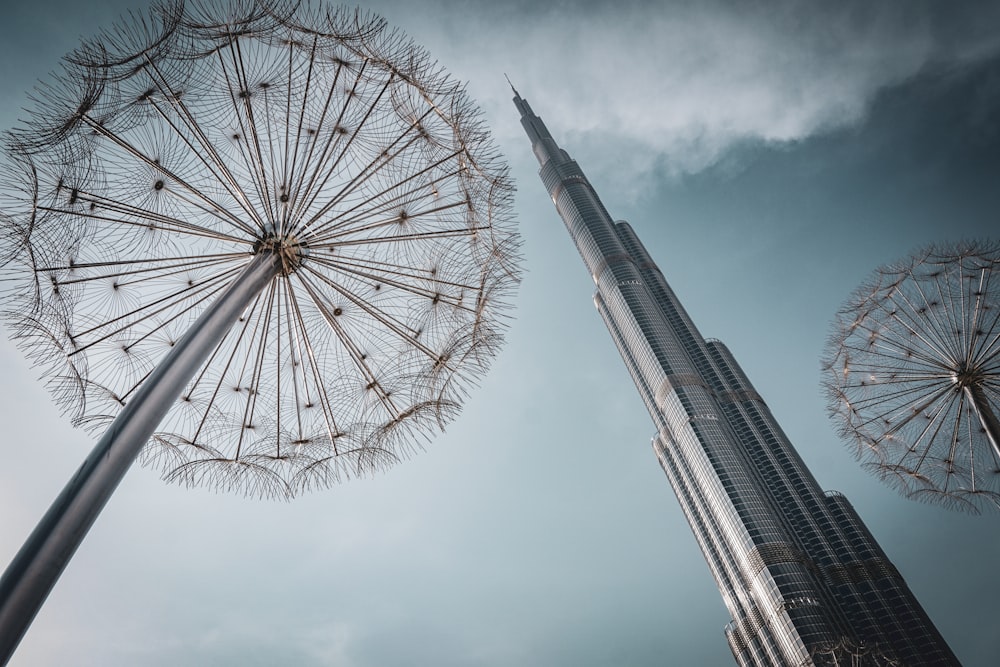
x,y
966,376
289,248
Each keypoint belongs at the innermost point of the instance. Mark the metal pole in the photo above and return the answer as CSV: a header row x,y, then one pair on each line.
x,y
36,567
987,418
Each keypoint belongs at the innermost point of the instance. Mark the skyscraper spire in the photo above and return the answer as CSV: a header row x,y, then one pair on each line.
x,y
803,579
516,94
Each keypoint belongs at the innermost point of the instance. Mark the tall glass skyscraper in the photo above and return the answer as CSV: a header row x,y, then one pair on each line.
x,y
803,579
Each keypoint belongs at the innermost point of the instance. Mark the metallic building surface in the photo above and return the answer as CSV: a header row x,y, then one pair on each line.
x,y
803,579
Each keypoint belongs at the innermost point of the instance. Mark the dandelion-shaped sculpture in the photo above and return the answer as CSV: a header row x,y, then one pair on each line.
x,y
267,246
914,375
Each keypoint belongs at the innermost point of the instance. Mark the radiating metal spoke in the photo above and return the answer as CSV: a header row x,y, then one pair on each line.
x,y
324,399
401,219
358,213
397,238
205,151
205,288
261,334
408,335
382,278
209,205
149,273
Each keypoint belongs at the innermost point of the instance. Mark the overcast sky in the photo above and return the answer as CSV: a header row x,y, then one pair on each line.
x,y
769,154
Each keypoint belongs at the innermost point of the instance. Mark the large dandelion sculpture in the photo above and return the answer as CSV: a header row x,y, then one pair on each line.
x,y
914,375
265,247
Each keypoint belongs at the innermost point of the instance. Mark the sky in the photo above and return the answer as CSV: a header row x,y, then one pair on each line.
x,y
770,155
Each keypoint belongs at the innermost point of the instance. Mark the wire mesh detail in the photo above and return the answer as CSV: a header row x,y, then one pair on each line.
x,y
172,150
913,375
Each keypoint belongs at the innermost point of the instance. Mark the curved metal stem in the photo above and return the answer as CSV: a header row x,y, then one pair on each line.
x,y
34,570
986,415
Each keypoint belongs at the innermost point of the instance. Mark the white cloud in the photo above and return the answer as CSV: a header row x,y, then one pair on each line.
x,y
677,84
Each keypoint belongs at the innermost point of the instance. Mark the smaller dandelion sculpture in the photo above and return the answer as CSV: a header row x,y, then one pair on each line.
x,y
262,246
913,374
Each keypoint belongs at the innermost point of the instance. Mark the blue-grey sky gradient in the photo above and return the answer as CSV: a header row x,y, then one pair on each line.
x,y
769,154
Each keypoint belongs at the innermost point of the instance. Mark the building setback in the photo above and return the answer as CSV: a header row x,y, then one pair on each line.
x,y
804,581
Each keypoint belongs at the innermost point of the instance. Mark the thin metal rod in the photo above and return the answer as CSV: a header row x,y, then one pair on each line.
x,y
36,567
987,418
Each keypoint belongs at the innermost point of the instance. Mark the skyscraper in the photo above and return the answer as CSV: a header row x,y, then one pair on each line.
x,y
804,581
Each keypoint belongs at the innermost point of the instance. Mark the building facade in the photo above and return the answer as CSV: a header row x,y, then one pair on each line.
x,y
803,579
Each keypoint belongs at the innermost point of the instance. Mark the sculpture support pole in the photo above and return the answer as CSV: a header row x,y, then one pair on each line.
x,y
36,567
987,418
